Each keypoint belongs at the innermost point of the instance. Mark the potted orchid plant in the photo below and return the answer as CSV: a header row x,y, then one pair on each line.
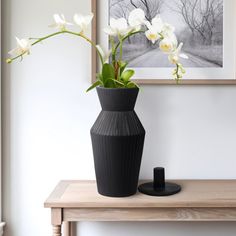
x,y
119,31
117,135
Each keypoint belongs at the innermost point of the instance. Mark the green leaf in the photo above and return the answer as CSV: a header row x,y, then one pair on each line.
x,y
94,85
108,71
109,83
126,75
132,85
99,76
118,82
122,65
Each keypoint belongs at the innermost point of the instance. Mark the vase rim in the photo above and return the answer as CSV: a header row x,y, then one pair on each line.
x,y
100,87
117,99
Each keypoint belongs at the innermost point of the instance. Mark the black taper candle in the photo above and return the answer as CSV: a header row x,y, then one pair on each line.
x,y
159,187
159,177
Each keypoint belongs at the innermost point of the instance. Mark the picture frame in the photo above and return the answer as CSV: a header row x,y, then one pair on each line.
x,y
225,75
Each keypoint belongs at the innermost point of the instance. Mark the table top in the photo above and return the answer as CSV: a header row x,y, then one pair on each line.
x,y
195,193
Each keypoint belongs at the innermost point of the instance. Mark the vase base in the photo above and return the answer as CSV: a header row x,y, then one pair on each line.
x,y
169,189
120,195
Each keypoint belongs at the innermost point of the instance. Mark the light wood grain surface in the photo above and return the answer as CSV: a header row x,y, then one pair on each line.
x,y
150,214
194,194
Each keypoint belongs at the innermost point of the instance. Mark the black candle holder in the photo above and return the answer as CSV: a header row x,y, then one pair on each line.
x,y
159,187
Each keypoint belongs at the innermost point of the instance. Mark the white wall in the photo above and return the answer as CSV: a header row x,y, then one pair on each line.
x,y
2,224
0,139
191,130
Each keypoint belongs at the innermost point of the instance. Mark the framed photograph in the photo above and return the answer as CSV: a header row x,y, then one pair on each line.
x,y
206,27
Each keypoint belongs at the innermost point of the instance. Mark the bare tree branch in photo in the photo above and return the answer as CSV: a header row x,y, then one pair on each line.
x,y
150,7
202,17
113,3
119,8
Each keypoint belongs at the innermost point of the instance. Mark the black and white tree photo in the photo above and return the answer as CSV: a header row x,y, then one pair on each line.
x,y
198,24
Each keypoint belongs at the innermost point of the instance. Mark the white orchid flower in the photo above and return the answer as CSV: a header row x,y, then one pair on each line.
x,y
83,21
23,47
175,55
154,29
152,35
163,29
169,44
136,18
117,27
156,24
168,29
105,54
60,22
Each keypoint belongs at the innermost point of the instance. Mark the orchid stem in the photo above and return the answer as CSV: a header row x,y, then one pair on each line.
x,y
62,32
126,37
177,74
121,49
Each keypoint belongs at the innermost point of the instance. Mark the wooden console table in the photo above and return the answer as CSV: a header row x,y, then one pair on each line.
x,y
199,200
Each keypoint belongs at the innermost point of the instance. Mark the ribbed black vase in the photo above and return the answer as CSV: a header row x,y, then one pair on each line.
x,y
117,140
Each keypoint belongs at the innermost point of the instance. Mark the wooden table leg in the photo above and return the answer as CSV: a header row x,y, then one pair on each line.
x,y
68,229
56,214
56,230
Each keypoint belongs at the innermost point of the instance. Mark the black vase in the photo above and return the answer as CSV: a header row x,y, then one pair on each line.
x,y
117,140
